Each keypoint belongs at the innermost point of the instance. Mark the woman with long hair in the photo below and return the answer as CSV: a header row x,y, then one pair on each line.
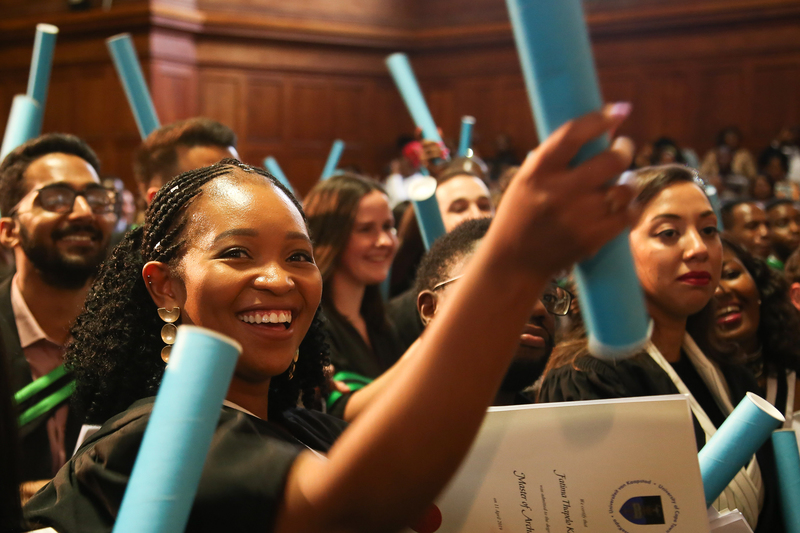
x,y
227,248
677,253
353,230
755,311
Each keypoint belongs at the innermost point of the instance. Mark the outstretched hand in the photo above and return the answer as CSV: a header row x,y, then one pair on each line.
x,y
554,215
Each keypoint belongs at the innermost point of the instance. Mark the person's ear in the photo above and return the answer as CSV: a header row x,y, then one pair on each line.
x,y
162,284
151,193
794,294
9,232
426,306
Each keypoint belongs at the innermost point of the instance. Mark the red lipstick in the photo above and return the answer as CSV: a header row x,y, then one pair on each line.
x,y
696,278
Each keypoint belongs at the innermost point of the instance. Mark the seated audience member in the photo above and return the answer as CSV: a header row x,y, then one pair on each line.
x,y
462,195
746,223
788,142
739,160
774,164
58,220
792,274
229,272
178,147
677,254
755,311
666,151
436,280
352,228
784,231
761,189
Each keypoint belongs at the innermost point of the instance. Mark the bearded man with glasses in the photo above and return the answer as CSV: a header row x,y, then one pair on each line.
x,y
57,219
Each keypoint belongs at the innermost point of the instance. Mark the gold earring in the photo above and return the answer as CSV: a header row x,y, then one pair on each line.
x,y
294,362
170,330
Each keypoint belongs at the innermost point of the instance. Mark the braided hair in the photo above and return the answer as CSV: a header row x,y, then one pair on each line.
x,y
116,341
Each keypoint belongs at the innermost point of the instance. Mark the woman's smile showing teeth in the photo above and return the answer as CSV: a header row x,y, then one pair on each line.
x,y
276,318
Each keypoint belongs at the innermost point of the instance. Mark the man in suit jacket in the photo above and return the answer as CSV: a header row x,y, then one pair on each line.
x,y
57,218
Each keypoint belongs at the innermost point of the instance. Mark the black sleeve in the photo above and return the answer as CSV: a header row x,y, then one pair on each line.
x,y
242,482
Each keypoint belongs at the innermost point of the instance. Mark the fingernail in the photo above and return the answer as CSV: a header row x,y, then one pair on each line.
x,y
620,110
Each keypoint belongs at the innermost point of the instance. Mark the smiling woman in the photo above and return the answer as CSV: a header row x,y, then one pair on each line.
x,y
677,253
226,247
355,241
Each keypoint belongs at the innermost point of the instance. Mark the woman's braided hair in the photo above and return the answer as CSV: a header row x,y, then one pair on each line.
x,y
116,340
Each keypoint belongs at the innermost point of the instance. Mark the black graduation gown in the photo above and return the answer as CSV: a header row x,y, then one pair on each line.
x,y
242,482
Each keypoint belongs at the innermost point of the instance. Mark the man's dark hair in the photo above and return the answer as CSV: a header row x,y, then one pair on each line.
x,y
16,163
791,269
447,251
158,156
727,211
769,154
775,202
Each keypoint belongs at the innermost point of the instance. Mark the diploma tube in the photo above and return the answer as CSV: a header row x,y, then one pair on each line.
x,y
23,124
735,442
41,64
422,193
167,471
271,164
130,73
465,139
333,159
406,82
787,459
557,64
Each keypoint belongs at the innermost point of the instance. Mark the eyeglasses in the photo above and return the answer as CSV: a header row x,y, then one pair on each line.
x,y
61,199
556,300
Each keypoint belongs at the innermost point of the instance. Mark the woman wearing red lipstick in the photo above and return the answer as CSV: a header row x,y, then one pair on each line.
x,y
226,245
677,254
755,311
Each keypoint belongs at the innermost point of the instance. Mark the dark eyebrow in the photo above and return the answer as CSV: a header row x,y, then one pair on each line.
x,y
247,232
708,213
298,235
667,215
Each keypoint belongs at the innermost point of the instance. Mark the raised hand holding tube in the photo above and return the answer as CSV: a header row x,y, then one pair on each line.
x,y
555,53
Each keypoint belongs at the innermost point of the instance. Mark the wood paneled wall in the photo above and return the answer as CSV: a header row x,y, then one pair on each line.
x,y
289,77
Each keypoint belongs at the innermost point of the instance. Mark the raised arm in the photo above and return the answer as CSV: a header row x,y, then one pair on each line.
x,y
404,447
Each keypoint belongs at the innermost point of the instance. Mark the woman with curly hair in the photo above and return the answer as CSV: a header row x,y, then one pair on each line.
x,y
755,311
227,248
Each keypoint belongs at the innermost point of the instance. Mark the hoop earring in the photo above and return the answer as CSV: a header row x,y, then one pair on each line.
x,y
294,363
170,330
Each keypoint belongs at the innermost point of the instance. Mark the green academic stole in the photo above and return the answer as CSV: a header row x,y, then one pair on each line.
x,y
40,397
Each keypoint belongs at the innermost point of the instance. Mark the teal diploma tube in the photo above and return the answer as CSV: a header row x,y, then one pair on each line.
x,y
166,474
333,159
23,123
130,73
41,65
271,164
465,138
422,193
403,76
787,460
556,57
735,442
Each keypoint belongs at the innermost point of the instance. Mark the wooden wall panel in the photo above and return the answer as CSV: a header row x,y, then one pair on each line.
x,y
264,121
311,112
221,97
